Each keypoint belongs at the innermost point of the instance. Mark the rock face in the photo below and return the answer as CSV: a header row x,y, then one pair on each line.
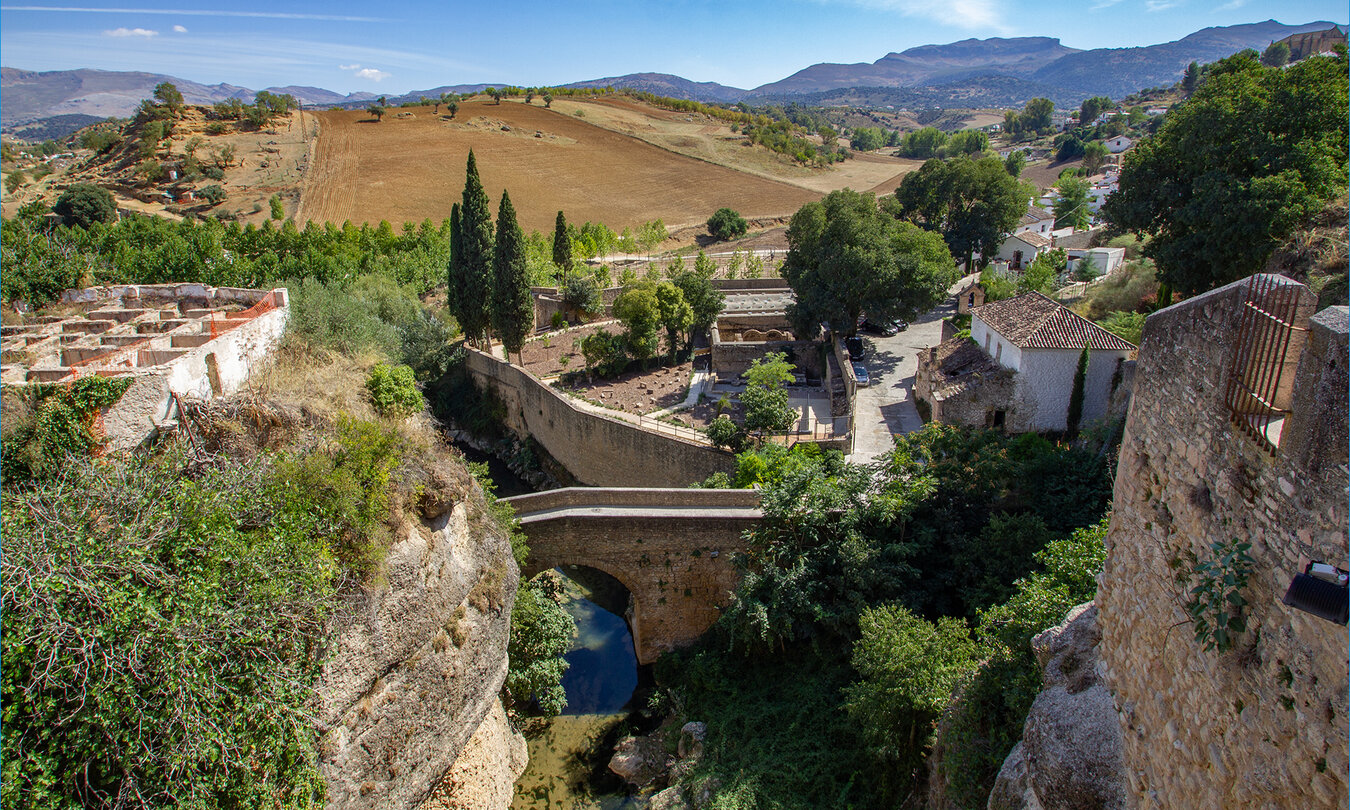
x,y
417,661
1070,754
484,776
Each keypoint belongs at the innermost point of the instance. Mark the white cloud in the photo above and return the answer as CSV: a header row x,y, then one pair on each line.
x,y
131,32
349,67
962,13
1232,5
179,29
197,12
1104,4
373,74
1161,5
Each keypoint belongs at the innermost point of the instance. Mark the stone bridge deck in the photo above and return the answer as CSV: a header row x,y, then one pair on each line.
x,y
672,549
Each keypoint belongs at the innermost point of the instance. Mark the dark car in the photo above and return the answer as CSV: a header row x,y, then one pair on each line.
x,y
885,328
857,350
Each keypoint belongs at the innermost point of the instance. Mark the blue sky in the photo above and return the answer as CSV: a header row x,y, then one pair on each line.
x,y
396,46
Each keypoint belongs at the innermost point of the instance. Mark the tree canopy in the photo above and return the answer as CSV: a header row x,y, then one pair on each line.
x,y
1236,169
973,202
84,204
512,305
846,256
473,286
1071,206
726,224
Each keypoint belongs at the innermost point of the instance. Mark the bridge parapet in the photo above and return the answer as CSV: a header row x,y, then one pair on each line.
x,y
673,549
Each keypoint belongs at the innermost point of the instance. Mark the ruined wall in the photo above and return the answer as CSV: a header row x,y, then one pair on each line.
x,y
415,663
1265,724
597,450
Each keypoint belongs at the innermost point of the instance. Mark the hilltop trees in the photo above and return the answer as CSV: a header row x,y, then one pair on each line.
x,y
1276,55
847,256
512,306
166,93
972,202
1232,172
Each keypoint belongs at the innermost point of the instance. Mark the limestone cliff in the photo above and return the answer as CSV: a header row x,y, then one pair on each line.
x,y
1069,757
416,662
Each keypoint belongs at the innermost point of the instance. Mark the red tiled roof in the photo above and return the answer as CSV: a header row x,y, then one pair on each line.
x,y
1032,238
1036,214
1032,321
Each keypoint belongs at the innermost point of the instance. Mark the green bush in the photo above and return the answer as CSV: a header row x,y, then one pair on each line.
x,y
278,210
727,224
44,425
84,204
393,390
213,172
581,291
159,635
606,354
541,634
723,432
213,194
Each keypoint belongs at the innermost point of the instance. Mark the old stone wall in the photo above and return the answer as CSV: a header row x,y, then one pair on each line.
x,y
596,450
415,664
1264,724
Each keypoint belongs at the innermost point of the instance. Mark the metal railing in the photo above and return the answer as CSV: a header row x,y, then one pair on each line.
x,y
1253,395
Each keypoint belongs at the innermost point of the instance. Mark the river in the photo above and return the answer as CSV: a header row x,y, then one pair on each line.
x,y
569,754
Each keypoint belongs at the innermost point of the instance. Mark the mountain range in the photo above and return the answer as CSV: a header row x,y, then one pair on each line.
x,y
996,72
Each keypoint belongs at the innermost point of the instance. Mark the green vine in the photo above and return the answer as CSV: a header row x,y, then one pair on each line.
x,y
1217,606
43,424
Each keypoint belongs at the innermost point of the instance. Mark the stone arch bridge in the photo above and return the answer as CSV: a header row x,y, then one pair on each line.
x,y
671,548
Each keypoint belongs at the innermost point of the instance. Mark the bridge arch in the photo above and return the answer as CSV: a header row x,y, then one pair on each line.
x,y
671,548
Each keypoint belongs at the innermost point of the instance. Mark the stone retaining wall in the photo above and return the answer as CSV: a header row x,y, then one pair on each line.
x,y
1265,724
597,450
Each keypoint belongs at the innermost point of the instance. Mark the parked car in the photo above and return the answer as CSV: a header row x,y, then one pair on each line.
x,y
857,350
860,372
885,328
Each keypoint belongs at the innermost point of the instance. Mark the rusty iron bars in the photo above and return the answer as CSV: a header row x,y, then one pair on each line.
x,y
1259,357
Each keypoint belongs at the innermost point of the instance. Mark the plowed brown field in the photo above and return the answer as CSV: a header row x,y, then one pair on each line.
x,y
411,168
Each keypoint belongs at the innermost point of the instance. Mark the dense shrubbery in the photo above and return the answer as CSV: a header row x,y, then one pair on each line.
x,y
883,593
393,390
43,424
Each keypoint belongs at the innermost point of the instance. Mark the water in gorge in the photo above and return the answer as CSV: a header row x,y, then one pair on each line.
x,y
569,754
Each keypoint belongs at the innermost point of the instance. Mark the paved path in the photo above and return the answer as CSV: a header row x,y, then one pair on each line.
x,y
887,407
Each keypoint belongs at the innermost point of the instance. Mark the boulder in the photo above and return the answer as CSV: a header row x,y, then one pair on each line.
x,y
1070,756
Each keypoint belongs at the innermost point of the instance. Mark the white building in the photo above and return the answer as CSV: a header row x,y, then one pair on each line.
x,y
1105,259
1118,144
1021,249
1041,342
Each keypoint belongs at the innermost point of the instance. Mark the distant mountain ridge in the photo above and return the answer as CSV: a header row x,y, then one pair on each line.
x,y
991,72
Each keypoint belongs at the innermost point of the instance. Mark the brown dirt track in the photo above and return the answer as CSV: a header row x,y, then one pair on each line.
x,y
408,169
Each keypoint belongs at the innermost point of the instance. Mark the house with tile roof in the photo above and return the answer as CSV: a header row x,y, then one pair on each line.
x,y
1017,368
1040,340
1021,249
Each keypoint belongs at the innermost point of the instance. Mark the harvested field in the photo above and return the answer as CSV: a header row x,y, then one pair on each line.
x,y
408,169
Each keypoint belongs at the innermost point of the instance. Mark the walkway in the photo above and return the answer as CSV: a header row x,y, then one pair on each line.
x,y
886,409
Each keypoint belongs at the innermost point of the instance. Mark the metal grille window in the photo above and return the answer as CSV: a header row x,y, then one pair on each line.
x,y
1264,359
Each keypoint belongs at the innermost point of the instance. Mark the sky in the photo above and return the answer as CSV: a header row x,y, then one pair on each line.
x,y
398,46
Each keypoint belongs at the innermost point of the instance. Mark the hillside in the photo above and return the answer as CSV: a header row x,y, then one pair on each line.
x,y
410,166
664,84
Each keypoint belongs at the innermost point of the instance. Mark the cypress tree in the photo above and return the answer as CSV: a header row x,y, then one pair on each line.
x,y
475,225
512,304
455,273
562,246
1076,396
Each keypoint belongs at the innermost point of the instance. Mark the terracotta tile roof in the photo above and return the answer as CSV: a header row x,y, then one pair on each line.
x,y
1036,214
1032,238
1032,321
958,363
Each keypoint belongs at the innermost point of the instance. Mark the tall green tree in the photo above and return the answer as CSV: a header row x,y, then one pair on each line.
x,y
705,301
846,256
562,246
1190,79
476,239
1091,108
765,397
1075,414
512,304
1276,55
676,314
166,93
973,202
455,271
1094,157
1236,169
1071,206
